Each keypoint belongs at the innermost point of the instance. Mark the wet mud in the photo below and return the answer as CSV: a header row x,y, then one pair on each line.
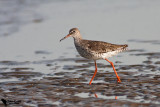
x,y
67,84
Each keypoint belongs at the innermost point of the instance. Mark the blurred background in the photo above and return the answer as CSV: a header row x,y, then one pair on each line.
x,y
30,50
27,25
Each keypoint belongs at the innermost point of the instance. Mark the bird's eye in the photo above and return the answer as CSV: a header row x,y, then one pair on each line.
x,y
72,31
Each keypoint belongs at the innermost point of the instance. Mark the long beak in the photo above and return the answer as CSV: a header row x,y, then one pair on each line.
x,y
65,37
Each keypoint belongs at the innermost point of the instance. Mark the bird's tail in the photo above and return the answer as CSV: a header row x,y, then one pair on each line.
x,y
124,47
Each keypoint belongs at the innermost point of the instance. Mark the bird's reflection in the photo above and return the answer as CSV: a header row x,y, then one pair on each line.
x,y
93,92
115,97
97,96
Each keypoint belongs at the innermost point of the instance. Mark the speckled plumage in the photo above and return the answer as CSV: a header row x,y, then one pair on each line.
x,y
95,49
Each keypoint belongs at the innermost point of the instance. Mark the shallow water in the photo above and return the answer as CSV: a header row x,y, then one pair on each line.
x,y
38,70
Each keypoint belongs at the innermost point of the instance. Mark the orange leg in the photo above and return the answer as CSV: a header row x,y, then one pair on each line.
x,y
118,78
94,73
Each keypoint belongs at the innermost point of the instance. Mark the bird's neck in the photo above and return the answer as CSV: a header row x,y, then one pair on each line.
x,y
78,38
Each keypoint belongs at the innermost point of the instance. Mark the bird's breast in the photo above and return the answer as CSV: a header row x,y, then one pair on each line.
x,y
87,53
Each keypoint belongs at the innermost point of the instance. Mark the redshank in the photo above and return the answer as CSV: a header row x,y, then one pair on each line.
x,y
95,50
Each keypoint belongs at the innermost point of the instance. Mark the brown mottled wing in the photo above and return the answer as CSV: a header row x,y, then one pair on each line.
x,y
103,47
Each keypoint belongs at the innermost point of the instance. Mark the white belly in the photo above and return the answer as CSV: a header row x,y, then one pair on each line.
x,y
109,54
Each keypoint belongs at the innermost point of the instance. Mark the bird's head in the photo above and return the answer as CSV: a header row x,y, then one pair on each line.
x,y
74,32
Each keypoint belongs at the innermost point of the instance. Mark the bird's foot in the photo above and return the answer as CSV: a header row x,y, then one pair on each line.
x,y
118,80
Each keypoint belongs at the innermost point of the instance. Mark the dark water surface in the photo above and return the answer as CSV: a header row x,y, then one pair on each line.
x,y
36,70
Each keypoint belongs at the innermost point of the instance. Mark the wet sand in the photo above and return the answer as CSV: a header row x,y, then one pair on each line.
x,y
69,86
37,70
